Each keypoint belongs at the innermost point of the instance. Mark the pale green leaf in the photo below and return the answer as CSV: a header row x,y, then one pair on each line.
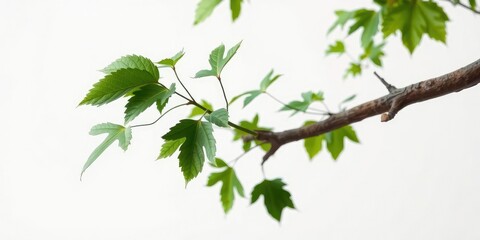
x,y
338,47
218,61
171,62
170,147
196,111
115,133
218,117
313,145
205,9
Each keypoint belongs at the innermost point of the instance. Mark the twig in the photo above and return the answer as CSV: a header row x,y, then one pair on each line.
x,y
148,124
181,83
223,91
389,86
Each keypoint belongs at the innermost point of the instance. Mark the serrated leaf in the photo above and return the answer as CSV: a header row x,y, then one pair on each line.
x,y
145,97
414,19
170,147
199,141
171,62
162,102
335,140
230,183
218,61
115,133
196,111
133,62
205,9
275,197
338,47
374,53
116,85
313,145
236,8
218,117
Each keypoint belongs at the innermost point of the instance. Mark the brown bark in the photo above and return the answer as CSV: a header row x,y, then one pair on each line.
x,y
388,106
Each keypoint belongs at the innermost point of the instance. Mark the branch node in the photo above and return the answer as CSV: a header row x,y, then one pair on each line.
x,y
389,86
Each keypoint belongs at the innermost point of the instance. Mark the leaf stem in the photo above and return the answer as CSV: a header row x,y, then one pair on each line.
x,y
223,91
235,160
149,124
181,83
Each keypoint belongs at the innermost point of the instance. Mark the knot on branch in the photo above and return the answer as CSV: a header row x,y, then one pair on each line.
x,y
272,138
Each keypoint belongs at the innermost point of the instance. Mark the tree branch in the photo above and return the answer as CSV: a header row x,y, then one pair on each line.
x,y
388,105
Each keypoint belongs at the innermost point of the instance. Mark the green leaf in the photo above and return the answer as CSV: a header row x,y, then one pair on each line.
x,y
133,62
268,80
115,133
205,9
342,18
338,48
252,125
170,147
171,62
335,140
301,106
116,85
199,141
219,163
374,53
368,20
218,117
230,183
313,145
162,102
275,197
144,98
355,69
414,19
218,61
236,8
196,111
473,4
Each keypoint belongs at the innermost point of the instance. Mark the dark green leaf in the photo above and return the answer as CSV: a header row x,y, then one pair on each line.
x,y
236,7
144,98
116,85
275,197
229,183
199,141
115,133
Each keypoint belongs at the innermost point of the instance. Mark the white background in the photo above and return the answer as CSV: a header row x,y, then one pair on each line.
x,y
416,177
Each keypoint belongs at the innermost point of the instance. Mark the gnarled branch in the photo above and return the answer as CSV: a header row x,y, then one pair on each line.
x,y
388,105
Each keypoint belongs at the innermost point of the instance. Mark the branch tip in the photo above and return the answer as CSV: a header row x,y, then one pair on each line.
x,y
389,86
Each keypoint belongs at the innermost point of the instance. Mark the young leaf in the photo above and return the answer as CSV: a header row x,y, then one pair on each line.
x,y
268,80
205,9
144,98
342,18
302,106
229,183
133,62
196,111
275,197
117,84
338,48
355,69
252,125
115,132
413,19
217,61
199,141
264,84
171,62
218,117
374,53
335,140
313,145
170,147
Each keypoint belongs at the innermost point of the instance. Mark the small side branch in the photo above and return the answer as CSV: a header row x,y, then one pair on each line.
x,y
389,86
463,5
388,106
